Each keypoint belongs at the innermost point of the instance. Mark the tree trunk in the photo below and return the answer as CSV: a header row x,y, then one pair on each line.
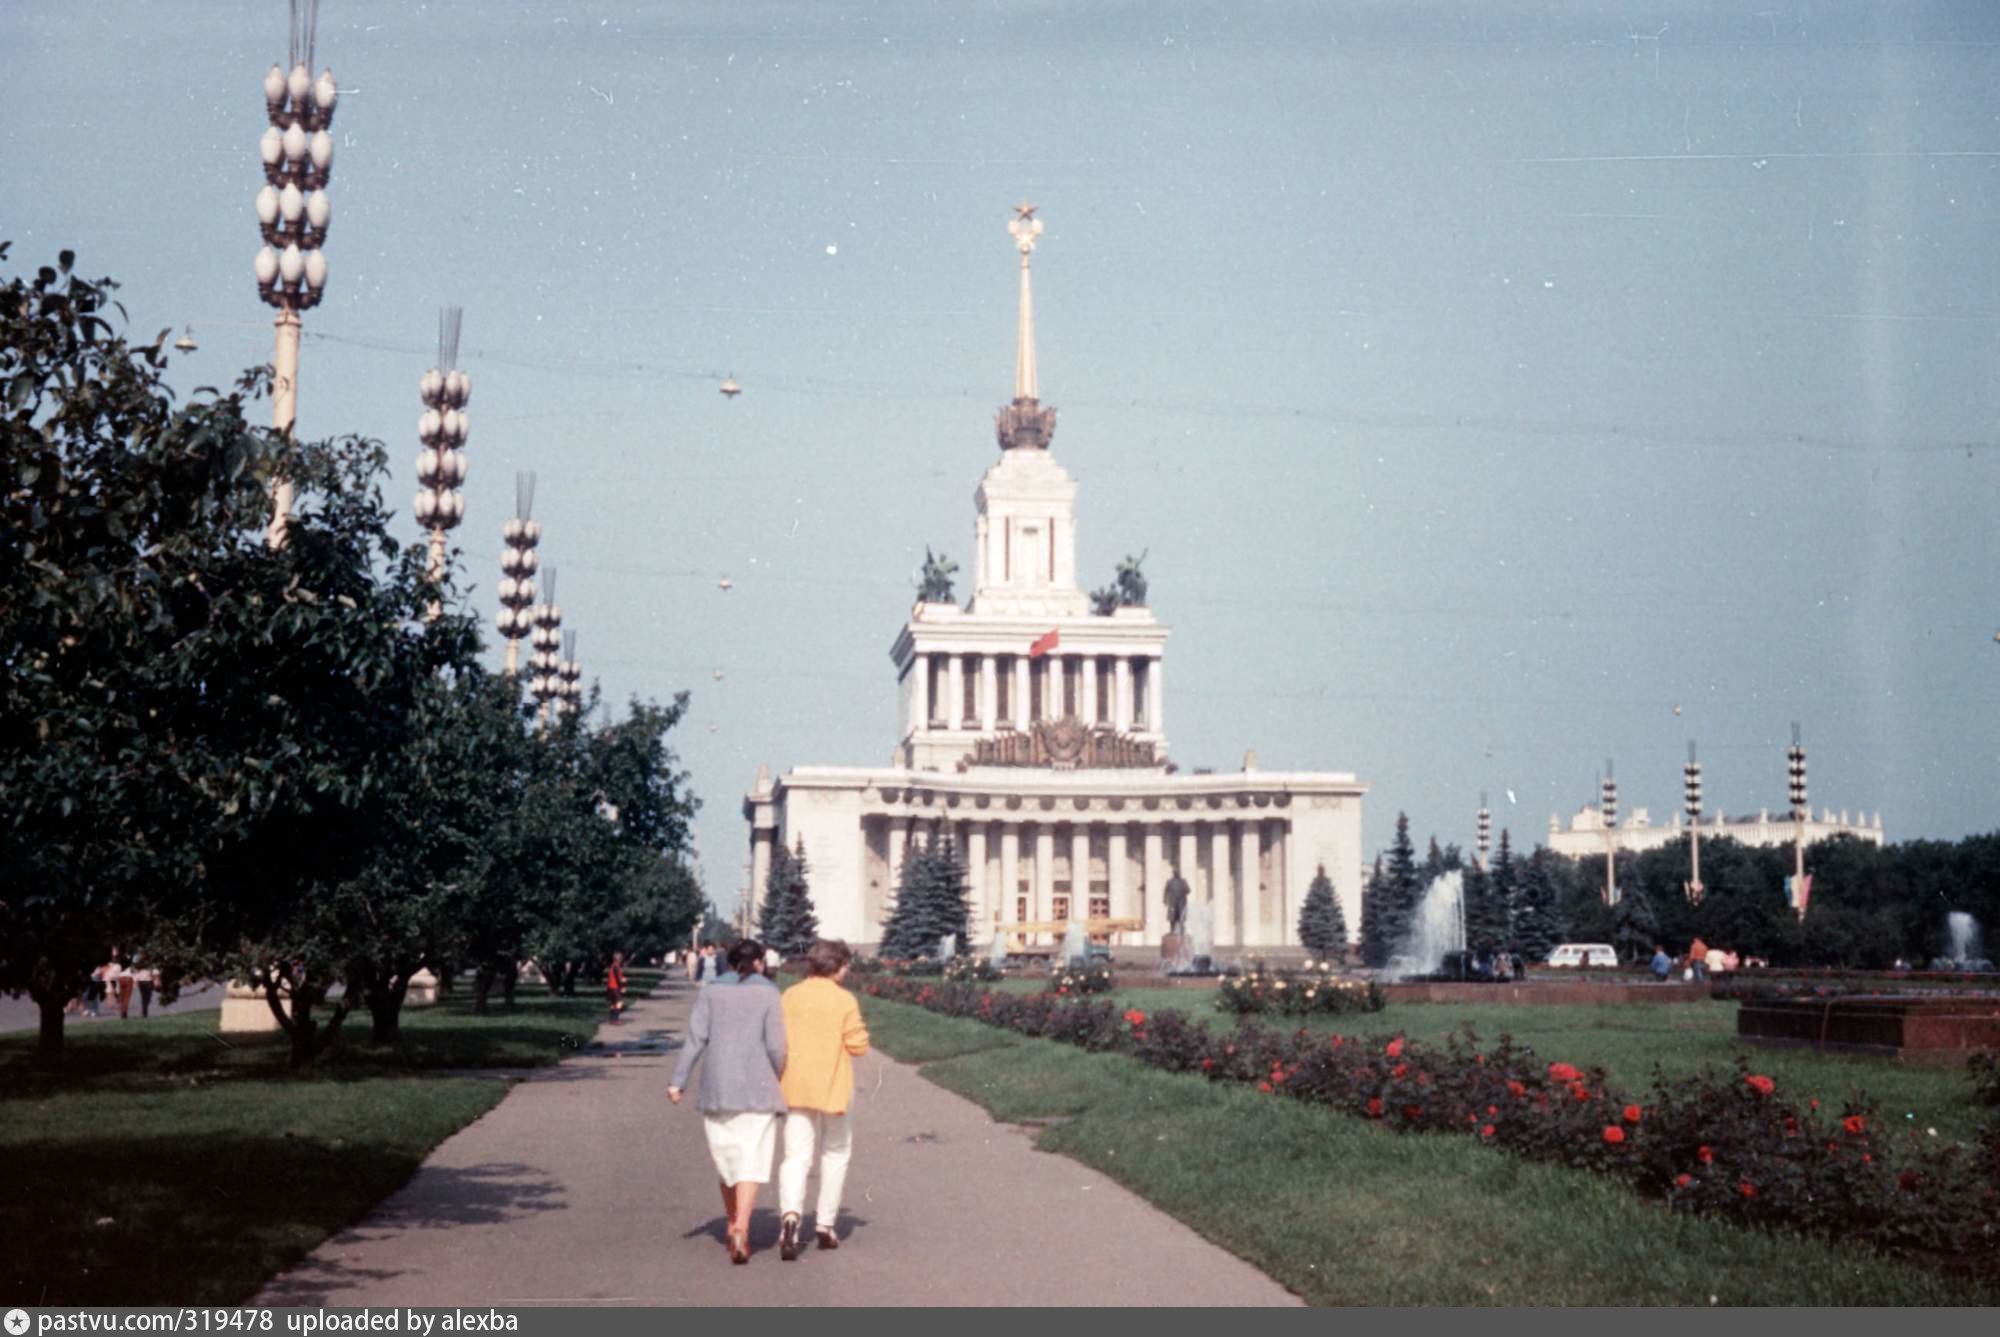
x,y
508,979
385,1012
447,973
482,985
49,1042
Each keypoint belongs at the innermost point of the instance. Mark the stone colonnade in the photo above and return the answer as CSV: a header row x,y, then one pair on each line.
x,y
1236,861
1123,691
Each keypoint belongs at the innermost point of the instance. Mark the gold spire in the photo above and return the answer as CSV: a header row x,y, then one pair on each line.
x,y
1025,229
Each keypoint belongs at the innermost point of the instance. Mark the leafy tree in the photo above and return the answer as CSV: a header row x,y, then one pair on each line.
x,y
1322,926
787,921
930,903
118,509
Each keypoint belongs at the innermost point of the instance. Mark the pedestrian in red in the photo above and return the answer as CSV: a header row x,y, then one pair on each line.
x,y
614,987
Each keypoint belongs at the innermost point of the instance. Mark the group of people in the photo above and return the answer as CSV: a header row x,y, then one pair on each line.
x,y
1700,962
115,983
770,1055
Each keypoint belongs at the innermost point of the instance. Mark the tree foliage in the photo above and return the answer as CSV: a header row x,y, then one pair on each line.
x,y
1322,925
787,921
930,903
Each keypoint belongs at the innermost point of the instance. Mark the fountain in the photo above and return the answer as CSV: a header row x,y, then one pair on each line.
x,y
1965,946
997,953
1075,949
1437,927
1201,937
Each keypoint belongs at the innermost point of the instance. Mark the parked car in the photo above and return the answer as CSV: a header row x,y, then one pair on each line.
x,y
1584,954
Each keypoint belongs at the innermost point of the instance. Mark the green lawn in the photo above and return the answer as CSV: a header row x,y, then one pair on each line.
x,y
1345,1212
163,1165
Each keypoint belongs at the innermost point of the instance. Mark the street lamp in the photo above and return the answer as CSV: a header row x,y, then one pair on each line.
x,y
1609,790
1691,782
292,214
1485,829
1795,763
442,427
517,568
544,666
569,675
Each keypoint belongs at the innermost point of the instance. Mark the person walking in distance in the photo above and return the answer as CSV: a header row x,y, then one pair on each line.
x,y
146,977
825,1033
742,1029
614,987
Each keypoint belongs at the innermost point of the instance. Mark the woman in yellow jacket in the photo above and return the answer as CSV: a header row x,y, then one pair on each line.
x,y
824,1034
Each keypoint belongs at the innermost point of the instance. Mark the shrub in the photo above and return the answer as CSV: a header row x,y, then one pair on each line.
x,y
972,969
1093,978
1312,989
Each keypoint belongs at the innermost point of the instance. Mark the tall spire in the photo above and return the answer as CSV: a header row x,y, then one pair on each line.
x,y
1024,423
1025,229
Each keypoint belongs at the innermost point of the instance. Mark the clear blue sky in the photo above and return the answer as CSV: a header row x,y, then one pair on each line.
x,y
1485,380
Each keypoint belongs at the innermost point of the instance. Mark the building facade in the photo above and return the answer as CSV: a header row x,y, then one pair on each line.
x,y
1586,834
1033,736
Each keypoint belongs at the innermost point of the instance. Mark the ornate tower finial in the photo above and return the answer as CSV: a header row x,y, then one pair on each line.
x,y
1024,422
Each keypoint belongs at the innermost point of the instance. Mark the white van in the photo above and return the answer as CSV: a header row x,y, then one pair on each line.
x,y
1584,954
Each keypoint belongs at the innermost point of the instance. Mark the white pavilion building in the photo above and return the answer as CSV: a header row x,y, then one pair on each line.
x,y
1034,736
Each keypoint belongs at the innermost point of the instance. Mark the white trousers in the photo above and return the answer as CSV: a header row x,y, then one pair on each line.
x,y
832,1136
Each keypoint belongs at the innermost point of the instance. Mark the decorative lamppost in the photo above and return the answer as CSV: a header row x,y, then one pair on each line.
x,y
1691,782
442,427
1485,829
545,664
293,213
569,676
1609,790
1795,765
517,568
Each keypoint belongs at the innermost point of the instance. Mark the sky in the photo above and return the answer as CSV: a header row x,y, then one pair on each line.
x,y
1495,388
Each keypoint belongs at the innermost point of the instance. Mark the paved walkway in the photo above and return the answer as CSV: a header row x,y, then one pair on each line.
x,y
584,1186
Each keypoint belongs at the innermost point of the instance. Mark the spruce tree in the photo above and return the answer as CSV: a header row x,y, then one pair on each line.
x,y
787,921
930,902
1402,888
1484,922
1322,926
1374,951
1537,923
1504,877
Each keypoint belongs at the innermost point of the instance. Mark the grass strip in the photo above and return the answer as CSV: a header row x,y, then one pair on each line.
x,y
1343,1212
166,1164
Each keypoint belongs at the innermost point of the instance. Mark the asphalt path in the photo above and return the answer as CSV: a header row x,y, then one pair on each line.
x,y
21,1014
585,1186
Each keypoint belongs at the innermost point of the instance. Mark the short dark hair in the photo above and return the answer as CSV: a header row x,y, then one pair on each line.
x,y
827,956
746,953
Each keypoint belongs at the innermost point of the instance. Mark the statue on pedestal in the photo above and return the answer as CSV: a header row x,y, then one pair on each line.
x,y
1177,899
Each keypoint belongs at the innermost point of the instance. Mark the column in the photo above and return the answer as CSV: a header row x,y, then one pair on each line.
x,y
920,684
954,691
1188,861
1086,696
1079,870
1155,681
1010,870
1020,701
989,693
1051,687
1117,874
1256,911
760,860
980,885
1042,906
1121,695
1221,892
1152,892
899,837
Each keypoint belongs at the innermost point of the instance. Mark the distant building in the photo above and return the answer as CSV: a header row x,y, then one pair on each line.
x,y
1637,833
1033,737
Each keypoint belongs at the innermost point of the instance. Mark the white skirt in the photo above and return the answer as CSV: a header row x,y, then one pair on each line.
x,y
742,1145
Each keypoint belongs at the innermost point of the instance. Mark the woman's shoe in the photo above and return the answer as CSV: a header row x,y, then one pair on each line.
x,y
739,1249
788,1238
825,1238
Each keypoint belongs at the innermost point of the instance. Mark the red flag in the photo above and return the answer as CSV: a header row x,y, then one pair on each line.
x,y
1043,644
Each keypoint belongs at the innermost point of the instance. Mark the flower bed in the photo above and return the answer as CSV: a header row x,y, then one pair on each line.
x,y
1719,1143
1312,989
1072,980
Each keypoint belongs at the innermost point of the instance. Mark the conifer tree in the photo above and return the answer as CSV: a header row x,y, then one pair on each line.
x,y
1401,888
930,902
787,921
1536,921
1504,877
1484,921
1322,926
1374,950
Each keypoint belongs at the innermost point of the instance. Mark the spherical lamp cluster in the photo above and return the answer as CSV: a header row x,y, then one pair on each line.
x,y
545,665
517,579
442,427
292,209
